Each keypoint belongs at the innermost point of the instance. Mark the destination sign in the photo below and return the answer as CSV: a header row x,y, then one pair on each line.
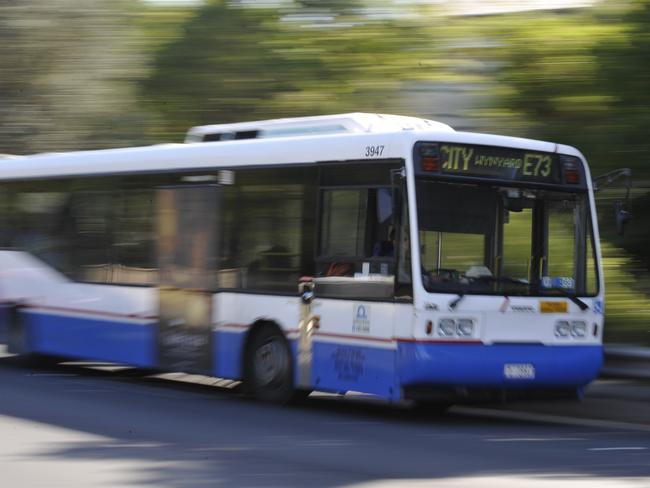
x,y
497,162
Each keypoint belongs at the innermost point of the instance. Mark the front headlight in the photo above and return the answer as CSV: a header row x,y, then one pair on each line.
x,y
578,328
447,327
562,328
465,327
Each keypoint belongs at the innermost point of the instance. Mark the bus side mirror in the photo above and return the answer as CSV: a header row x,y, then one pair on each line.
x,y
621,216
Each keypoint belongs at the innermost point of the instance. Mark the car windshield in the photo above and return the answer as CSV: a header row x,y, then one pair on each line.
x,y
489,239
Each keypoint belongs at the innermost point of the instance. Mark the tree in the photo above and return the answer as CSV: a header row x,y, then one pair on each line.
x,y
66,75
581,78
623,75
222,68
237,62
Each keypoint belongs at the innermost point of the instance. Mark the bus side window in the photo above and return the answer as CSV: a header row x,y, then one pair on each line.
x,y
38,225
132,229
91,235
6,228
267,230
357,234
403,276
343,224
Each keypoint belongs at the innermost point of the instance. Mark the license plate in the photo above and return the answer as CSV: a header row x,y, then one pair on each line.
x,y
519,371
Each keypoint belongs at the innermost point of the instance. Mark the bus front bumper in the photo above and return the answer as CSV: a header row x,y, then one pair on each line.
x,y
501,367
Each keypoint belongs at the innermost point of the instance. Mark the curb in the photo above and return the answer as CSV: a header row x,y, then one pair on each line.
x,y
623,361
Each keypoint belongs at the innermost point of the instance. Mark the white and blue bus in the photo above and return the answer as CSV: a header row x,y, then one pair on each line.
x,y
359,252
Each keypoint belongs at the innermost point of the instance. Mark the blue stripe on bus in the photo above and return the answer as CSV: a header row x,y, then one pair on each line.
x,y
228,349
479,365
87,338
335,366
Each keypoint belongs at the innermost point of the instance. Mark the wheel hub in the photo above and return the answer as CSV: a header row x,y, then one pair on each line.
x,y
271,362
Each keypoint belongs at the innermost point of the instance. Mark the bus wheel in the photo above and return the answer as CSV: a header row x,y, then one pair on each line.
x,y
267,368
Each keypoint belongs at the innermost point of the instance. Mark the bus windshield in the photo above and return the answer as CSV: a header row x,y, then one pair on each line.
x,y
506,240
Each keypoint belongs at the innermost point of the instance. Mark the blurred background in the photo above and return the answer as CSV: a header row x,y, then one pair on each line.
x,y
97,74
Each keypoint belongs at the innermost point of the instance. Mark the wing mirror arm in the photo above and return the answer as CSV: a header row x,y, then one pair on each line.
x,y
621,208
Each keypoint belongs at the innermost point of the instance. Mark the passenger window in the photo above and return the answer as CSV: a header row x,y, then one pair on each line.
x,y
111,233
357,232
7,216
267,230
91,236
38,226
133,235
344,222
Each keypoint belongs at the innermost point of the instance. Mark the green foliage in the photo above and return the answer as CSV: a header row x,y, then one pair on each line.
x,y
624,74
627,293
222,64
67,75
582,78
236,63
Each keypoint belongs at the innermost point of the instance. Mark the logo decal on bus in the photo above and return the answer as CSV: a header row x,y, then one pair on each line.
x,y
348,363
361,320
598,307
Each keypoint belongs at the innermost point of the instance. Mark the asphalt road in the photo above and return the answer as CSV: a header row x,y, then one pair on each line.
x,y
74,427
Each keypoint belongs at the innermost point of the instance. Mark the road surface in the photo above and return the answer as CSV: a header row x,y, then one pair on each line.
x,y
71,426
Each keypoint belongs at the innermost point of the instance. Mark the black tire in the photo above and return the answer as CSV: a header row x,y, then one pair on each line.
x,y
268,367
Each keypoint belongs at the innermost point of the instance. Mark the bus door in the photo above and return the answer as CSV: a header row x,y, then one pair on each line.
x,y
354,294
187,249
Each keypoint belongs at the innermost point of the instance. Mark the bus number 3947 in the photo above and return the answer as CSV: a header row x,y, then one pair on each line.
x,y
374,151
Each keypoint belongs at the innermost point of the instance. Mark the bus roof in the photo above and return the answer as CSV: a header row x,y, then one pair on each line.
x,y
396,143
356,122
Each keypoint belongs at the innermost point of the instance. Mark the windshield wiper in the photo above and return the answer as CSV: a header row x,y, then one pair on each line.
x,y
452,305
570,296
505,279
583,306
